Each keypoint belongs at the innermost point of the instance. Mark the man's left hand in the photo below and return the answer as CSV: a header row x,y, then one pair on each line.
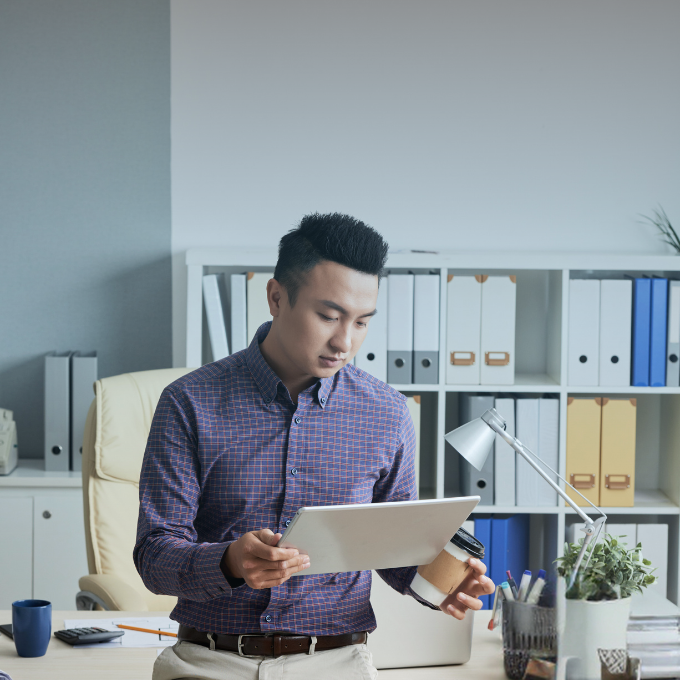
x,y
466,596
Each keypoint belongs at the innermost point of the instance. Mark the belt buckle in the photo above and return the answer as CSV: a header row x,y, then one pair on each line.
x,y
239,644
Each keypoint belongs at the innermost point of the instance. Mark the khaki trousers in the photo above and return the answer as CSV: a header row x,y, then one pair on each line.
x,y
188,661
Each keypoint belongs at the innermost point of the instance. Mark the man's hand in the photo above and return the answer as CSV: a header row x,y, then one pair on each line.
x,y
254,558
466,595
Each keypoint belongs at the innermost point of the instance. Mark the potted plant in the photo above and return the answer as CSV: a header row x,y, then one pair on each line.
x,y
597,606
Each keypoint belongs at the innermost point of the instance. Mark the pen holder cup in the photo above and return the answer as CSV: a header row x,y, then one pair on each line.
x,y
529,632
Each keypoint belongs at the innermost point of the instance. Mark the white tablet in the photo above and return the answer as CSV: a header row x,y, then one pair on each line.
x,y
375,535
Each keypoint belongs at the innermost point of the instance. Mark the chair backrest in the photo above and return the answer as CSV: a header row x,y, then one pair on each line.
x,y
116,431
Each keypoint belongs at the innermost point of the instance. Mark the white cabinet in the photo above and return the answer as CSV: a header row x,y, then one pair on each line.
x,y
16,550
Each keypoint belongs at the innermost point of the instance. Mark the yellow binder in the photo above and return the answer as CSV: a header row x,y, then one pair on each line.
x,y
583,448
617,461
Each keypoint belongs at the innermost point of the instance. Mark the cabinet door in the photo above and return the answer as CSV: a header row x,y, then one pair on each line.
x,y
59,548
16,550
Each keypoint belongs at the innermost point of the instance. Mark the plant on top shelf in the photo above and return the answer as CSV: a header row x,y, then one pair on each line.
x,y
666,230
614,572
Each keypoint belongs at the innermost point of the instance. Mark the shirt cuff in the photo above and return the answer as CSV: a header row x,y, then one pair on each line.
x,y
209,572
417,597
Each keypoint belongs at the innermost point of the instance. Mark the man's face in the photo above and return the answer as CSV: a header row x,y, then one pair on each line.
x,y
325,328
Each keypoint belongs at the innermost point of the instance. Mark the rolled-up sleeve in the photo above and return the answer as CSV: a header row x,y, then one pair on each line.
x,y
167,554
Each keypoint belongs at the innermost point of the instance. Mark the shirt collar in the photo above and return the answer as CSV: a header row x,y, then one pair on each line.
x,y
266,380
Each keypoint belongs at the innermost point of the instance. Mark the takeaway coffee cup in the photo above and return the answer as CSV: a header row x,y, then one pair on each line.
x,y
31,626
436,581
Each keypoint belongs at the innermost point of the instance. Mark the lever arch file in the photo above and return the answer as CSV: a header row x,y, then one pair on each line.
x,y
83,377
57,412
673,348
257,304
238,313
476,482
584,418
499,296
642,305
400,329
584,332
372,356
463,329
658,333
426,330
616,306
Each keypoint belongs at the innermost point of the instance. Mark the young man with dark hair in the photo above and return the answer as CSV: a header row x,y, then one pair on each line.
x,y
237,446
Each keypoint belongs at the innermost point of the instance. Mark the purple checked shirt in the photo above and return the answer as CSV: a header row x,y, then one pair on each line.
x,y
229,452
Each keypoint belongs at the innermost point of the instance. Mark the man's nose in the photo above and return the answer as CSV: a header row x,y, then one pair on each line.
x,y
342,339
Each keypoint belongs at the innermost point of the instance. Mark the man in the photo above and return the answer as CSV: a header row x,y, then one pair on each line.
x,y
237,446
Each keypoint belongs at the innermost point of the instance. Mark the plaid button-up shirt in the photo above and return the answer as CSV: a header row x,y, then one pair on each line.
x,y
219,462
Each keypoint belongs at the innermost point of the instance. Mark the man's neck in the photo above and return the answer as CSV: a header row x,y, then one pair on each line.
x,y
294,382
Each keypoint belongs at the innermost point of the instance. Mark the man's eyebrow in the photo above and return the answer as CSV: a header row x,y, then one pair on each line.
x,y
342,310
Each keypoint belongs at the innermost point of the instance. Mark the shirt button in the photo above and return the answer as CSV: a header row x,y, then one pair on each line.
x,y
298,420
287,522
267,618
293,472
323,400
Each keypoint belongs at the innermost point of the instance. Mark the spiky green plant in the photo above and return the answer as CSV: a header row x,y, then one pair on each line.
x,y
663,224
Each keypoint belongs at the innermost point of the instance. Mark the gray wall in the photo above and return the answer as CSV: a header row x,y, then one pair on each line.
x,y
84,192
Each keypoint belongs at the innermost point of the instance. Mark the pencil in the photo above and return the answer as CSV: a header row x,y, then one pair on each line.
x,y
147,630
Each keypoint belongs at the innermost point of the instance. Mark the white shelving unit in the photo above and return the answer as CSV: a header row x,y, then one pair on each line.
x,y
541,368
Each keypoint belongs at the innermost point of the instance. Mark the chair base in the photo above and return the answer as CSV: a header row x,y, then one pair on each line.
x,y
87,601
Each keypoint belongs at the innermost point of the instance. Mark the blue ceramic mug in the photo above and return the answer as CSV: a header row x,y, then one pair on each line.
x,y
31,626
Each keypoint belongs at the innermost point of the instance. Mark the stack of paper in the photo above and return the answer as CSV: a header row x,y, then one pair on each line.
x,y
132,638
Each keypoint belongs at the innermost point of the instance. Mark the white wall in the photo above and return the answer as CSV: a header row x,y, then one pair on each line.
x,y
525,125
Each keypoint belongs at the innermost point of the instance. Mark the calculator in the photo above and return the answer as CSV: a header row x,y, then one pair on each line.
x,y
87,636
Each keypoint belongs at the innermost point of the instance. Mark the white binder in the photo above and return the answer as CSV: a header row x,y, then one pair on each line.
x,y
504,474
673,348
258,306
499,299
616,308
83,377
654,539
372,355
527,427
400,329
413,404
57,412
238,313
426,329
548,445
463,329
214,312
584,332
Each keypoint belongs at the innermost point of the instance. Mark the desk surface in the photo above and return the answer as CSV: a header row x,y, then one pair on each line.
x,y
62,662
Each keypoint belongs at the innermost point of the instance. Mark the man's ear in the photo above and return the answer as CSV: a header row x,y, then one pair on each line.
x,y
276,295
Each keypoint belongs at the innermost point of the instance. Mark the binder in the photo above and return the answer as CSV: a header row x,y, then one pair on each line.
x,y
654,539
372,355
57,412
214,312
463,329
499,300
673,349
476,482
400,329
617,453
509,547
584,421
83,377
257,303
527,425
504,470
426,329
483,534
584,332
658,333
616,308
642,306
548,445
413,404
239,313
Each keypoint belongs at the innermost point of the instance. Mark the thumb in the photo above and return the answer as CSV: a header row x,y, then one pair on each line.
x,y
268,536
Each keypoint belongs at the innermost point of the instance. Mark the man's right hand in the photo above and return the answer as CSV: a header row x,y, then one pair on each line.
x,y
255,558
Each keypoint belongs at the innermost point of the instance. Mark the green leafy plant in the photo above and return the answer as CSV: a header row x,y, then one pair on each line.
x,y
663,224
613,571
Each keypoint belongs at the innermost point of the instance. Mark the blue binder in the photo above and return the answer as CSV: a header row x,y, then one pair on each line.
x,y
509,547
642,300
658,333
483,534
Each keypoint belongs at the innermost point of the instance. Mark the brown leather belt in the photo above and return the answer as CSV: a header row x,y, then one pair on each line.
x,y
275,644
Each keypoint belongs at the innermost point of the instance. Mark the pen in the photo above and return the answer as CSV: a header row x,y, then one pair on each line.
x,y
507,592
537,588
524,586
511,583
496,604
147,630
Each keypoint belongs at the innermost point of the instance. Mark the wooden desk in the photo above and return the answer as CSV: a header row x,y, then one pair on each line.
x,y
62,662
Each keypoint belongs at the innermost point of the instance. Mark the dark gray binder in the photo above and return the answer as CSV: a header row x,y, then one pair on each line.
x,y
474,482
425,368
399,367
83,377
57,412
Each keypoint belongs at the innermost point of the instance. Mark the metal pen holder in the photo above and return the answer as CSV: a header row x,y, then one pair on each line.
x,y
529,632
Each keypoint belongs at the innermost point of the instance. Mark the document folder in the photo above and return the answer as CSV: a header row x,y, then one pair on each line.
x,y
584,418
400,329
617,456
527,425
217,328
258,306
642,306
548,445
238,313
413,404
673,349
83,377
584,332
616,308
499,300
372,355
426,330
473,481
463,329
504,472
658,333
57,412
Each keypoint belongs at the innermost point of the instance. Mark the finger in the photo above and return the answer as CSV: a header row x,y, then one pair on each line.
x,y
469,601
477,565
271,553
451,610
257,564
272,578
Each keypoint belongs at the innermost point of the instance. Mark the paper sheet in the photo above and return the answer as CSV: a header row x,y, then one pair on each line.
x,y
132,638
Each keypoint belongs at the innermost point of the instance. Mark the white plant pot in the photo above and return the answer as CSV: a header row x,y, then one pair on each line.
x,y
589,626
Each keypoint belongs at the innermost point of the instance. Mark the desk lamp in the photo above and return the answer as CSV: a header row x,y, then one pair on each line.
x,y
474,442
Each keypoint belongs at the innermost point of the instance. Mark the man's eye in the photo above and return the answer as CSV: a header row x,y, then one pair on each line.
x,y
361,324
326,318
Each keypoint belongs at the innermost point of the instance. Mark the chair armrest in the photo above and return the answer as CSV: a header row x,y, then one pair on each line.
x,y
117,594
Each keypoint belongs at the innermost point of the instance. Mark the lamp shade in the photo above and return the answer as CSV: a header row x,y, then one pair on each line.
x,y
473,441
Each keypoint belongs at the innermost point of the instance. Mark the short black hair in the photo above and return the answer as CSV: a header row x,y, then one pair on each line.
x,y
334,237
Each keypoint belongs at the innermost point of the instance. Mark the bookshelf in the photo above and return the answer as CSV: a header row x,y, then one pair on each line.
x,y
541,368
